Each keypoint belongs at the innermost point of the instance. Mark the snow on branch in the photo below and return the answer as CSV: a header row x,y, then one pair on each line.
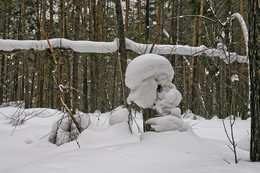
x,y
220,51
110,47
243,27
77,46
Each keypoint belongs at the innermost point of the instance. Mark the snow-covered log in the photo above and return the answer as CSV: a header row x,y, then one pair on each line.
x,y
77,46
110,47
220,51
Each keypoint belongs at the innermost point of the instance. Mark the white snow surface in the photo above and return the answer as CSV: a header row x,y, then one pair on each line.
x,y
143,75
112,149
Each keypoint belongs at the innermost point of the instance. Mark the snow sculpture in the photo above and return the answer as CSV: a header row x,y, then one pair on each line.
x,y
149,78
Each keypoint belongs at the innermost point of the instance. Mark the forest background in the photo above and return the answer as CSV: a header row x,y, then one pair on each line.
x,y
209,86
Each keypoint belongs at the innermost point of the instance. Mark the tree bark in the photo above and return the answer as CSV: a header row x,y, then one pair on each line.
x,y
51,19
139,14
254,60
122,46
2,80
158,25
85,62
25,76
127,15
41,98
51,85
194,81
147,18
76,60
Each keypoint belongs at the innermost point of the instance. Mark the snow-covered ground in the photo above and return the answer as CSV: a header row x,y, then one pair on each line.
x,y
112,149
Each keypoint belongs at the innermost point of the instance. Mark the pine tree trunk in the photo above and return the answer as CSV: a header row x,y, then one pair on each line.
x,y
41,98
127,15
158,25
100,62
61,57
122,46
139,14
51,84
195,76
23,26
85,62
93,76
254,58
76,60
147,18
2,80
51,19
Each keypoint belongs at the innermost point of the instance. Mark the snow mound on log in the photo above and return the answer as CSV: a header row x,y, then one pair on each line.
x,y
119,115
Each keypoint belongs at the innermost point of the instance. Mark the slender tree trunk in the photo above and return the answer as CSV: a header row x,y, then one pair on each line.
x,y
228,43
62,65
2,80
127,15
114,86
24,91
174,23
5,20
254,59
41,81
51,19
68,94
139,14
15,86
93,76
76,60
195,65
67,19
158,25
122,47
147,18
85,63
100,62
242,35
51,84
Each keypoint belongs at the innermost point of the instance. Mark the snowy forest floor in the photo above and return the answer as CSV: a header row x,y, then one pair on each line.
x,y
112,149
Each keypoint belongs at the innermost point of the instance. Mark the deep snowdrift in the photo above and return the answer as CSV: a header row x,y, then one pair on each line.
x,y
113,149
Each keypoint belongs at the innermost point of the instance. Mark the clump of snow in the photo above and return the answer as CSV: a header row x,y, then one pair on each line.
x,y
119,115
149,78
64,130
168,123
167,101
234,78
244,143
143,76
190,115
